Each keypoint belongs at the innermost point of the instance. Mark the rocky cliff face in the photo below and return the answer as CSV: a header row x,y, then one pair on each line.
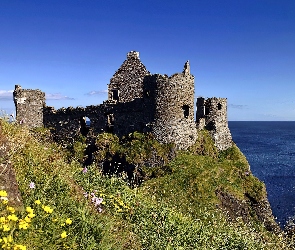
x,y
247,209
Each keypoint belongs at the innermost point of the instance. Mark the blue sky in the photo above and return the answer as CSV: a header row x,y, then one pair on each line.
x,y
240,49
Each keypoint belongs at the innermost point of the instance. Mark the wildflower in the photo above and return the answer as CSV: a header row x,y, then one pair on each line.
x,y
31,215
4,201
47,209
7,241
2,219
11,209
64,234
32,185
23,224
28,219
3,193
84,170
12,217
6,228
29,210
68,221
19,247
96,201
85,195
38,202
99,209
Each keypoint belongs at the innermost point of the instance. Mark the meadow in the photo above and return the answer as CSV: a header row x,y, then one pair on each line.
x,y
70,206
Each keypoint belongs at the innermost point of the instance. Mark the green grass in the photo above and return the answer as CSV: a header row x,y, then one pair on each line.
x,y
176,210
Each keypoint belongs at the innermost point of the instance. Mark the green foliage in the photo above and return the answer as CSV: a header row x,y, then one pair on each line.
x,y
204,145
177,210
138,148
107,144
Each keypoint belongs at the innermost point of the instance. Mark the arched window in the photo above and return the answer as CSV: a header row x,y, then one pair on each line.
x,y
87,121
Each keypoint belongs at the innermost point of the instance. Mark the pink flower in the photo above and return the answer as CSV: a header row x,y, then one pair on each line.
x,y
84,170
32,185
96,201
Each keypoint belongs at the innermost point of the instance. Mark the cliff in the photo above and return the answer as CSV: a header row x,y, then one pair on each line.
x,y
188,199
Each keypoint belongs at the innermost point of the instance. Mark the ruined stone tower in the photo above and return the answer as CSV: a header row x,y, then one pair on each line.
x,y
29,106
212,115
127,83
174,109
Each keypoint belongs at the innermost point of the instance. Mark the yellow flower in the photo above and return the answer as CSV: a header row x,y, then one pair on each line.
x,y
3,193
10,209
29,210
27,219
23,224
64,234
2,219
68,221
4,201
31,215
38,202
19,247
6,228
12,217
7,241
47,209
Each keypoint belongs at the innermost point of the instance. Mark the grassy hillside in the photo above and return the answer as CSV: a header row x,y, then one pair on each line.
x,y
66,206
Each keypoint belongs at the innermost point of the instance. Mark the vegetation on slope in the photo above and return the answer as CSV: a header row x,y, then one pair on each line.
x,y
175,210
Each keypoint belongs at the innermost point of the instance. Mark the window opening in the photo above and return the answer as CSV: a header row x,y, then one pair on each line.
x,y
115,94
206,110
185,111
219,106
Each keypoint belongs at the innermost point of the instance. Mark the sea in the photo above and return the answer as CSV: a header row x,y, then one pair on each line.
x,y
270,151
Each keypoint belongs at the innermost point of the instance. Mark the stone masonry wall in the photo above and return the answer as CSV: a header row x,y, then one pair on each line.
x,y
127,83
174,109
66,123
29,106
137,101
212,115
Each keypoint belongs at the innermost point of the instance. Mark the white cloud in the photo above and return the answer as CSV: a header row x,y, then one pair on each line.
x,y
6,95
238,106
57,96
97,92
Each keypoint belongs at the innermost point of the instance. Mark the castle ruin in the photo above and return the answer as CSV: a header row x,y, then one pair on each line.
x,y
137,101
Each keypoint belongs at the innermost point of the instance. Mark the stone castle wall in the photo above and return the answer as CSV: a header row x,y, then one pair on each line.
x,y
137,101
127,83
29,106
212,115
174,109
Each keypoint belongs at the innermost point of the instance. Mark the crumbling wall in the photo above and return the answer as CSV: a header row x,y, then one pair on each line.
x,y
137,101
67,123
29,106
127,83
174,109
212,115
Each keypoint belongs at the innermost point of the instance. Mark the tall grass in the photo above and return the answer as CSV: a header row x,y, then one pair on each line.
x,y
176,210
